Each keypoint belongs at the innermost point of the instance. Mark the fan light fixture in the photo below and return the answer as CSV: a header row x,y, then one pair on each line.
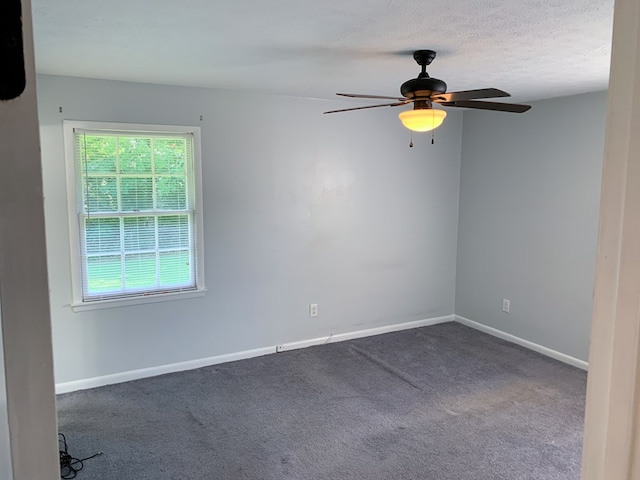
x,y
424,91
422,119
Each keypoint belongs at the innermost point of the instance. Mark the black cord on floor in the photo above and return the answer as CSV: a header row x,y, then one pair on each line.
x,y
69,466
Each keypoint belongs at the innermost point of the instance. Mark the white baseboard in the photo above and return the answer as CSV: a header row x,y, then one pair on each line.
x,y
94,382
341,337
160,370
524,343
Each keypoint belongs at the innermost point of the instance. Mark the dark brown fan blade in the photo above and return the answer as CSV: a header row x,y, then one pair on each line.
x,y
497,106
370,106
357,95
468,95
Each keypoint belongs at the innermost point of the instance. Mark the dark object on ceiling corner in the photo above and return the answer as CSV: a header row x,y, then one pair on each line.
x,y
13,78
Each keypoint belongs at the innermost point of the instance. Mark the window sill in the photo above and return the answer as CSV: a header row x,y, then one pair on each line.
x,y
125,302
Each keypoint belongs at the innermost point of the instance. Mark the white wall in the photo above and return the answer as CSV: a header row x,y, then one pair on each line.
x,y
530,192
299,208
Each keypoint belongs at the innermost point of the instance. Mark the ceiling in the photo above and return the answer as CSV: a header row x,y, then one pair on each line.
x,y
531,48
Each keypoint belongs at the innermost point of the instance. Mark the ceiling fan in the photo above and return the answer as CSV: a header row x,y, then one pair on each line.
x,y
423,91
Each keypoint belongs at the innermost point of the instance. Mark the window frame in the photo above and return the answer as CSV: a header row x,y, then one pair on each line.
x,y
74,205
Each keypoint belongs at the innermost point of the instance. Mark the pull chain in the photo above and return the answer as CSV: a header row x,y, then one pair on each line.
x,y
411,141
433,114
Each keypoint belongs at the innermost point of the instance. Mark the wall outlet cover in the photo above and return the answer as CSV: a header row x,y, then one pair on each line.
x,y
506,305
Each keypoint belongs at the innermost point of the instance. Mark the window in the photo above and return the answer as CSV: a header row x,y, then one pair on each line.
x,y
135,212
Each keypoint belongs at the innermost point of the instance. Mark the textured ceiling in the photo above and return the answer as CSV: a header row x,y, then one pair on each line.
x,y
313,48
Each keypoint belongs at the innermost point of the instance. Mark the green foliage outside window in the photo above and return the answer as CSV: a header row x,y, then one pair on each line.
x,y
138,214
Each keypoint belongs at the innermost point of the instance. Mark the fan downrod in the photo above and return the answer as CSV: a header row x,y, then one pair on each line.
x,y
424,57
423,86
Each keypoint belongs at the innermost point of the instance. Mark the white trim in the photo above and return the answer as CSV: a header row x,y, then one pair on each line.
x,y
341,337
524,343
27,360
612,424
74,197
122,302
161,370
128,376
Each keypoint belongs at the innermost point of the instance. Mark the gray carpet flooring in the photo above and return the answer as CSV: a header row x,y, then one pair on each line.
x,y
434,403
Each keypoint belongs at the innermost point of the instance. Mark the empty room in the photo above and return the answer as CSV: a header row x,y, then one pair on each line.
x,y
251,277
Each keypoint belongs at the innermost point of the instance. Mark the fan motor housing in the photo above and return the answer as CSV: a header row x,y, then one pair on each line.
x,y
422,87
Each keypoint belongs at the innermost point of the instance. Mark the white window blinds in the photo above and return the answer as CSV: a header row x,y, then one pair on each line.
x,y
135,195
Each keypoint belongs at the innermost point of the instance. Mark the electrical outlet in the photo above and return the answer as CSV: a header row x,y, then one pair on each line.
x,y
313,310
506,305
